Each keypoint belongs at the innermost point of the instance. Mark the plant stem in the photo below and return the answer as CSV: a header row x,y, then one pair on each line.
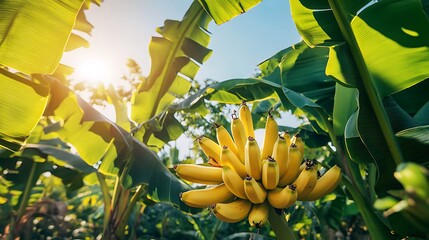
x,y
377,229
216,228
107,200
367,80
23,202
280,226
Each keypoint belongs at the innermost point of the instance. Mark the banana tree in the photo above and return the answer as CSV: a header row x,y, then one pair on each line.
x,y
359,76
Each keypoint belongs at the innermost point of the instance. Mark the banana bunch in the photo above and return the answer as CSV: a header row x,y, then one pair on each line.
x,y
247,180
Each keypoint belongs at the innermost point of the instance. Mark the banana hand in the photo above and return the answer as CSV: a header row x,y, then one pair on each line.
x,y
228,158
225,139
254,190
210,148
271,135
324,185
252,159
233,182
283,197
201,198
246,118
239,135
258,215
270,173
199,174
306,181
281,152
232,212
292,166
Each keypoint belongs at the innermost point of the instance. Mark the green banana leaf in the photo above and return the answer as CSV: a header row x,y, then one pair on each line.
x,y
108,147
23,102
223,10
176,58
33,35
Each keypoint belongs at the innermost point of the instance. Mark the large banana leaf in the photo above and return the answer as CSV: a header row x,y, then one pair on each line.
x,y
22,104
176,58
107,147
33,34
224,10
371,48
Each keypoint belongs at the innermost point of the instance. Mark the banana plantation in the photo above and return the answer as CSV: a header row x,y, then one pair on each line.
x,y
355,168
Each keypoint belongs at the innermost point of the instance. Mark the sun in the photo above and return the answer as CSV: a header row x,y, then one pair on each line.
x,y
93,71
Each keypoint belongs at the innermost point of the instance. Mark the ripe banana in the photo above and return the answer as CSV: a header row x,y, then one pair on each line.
x,y
232,212
297,140
306,181
258,215
292,166
246,118
210,148
252,158
233,182
270,173
324,185
254,190
280,153
225,139
286,136
228,158
271,135
213,162
283,197
199,174
201,198
239,135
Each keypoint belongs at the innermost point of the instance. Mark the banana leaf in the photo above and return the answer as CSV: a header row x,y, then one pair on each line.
x,y
36,33
223,10
107,147
23,102
176,58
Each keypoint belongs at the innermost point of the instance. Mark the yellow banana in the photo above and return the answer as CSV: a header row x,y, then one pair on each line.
x,y
306,181
203,197
210,148
233,182
297,140
258,215
270,173
254,190
271,135
246,118
199,174
213,162
292,166
225,139
283,197
239,135
325,184
228,158
286,136
252,159
280,153
232,212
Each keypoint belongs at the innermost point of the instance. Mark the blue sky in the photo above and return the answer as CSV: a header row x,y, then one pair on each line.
x,y
122,30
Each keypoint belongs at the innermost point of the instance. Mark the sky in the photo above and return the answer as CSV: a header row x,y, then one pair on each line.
x,y
123,29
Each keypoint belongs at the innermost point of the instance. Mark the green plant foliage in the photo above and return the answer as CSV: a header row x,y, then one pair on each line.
x,y
224,10
16,108
176,58
48,26
110,147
